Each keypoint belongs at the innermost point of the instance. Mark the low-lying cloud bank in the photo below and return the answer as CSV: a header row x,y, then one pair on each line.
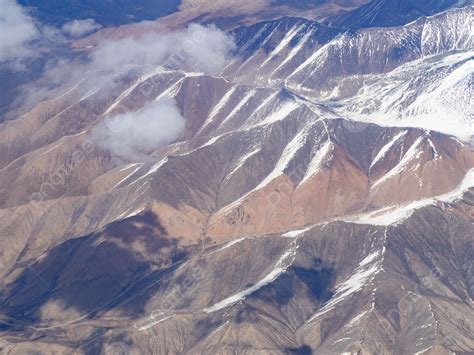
x,y
17,31
196,48
134,135
200,48
80,28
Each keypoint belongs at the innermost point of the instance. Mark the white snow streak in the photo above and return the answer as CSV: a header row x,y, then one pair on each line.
x,y
218,107
411,154
280,112
227,245
288,154
241,162
265,103
315,165
386,148
129,214
172,91
435,152
398,213
284,42
239,106
296,233
293,52
154,169
127,92
285,260
149,323
366,270
423,351
137,167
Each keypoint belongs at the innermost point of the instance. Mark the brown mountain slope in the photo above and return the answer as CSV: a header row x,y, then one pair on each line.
x,y
335,287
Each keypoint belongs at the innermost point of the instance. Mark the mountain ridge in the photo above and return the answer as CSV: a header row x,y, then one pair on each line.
x,y
290,215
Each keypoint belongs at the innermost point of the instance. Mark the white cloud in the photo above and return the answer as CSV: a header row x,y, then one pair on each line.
x,y
135,135
79,28
199,48
232,6
205,49
17,31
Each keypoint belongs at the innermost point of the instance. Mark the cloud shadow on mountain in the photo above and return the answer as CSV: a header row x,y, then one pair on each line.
x,y
119,267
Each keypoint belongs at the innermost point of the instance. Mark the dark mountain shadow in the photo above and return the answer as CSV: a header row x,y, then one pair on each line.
x,y
302,350
119,267
280,291
318,280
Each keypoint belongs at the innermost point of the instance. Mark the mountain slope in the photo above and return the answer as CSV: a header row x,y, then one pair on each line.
x,y
332,288
423,93
276,222
388,13
339,68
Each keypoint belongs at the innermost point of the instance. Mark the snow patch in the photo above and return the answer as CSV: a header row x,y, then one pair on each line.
x,y
435,152
423,351
227,245
130,214
172,91
296,233
149,323
356,319
466,184
280,112
389,215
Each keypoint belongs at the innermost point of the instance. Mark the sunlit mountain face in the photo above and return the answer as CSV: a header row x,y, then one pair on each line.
x,y
385,13
261,177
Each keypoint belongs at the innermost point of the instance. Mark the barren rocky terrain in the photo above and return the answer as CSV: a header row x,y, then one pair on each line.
x,y
319,197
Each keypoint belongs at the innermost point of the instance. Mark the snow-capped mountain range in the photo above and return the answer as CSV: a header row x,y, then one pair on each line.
x,y
318,197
